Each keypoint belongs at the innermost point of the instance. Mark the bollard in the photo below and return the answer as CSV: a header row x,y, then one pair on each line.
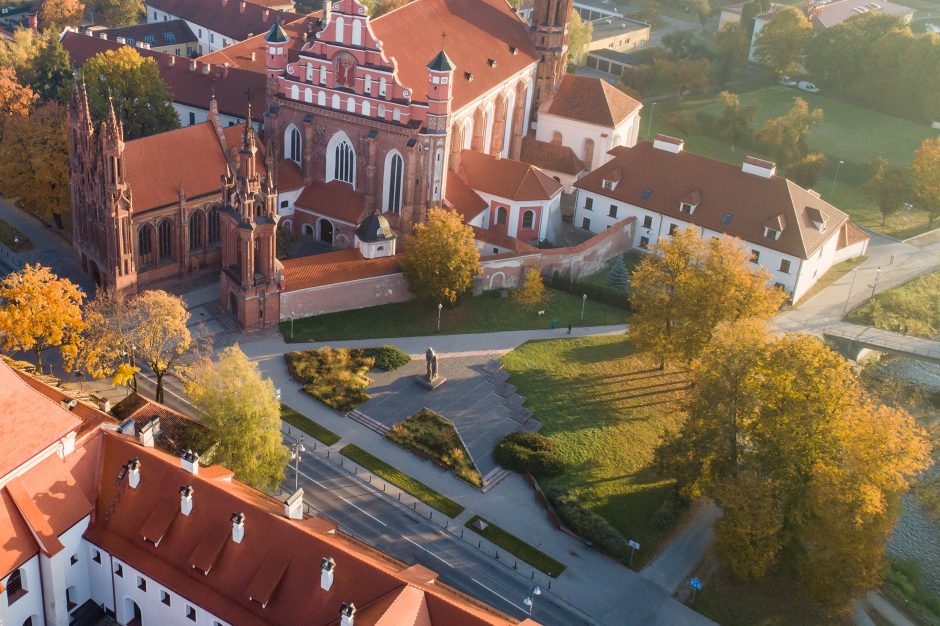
x,y
549,584
430,514
355,471
383,487
480,544
533,574
461,533
341,461
399,496
515,564
497,555
414,505
446,524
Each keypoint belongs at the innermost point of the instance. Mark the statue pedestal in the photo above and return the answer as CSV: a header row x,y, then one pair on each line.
x,y
430,383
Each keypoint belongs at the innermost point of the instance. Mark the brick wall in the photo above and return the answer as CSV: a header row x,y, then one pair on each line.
x,y
354,294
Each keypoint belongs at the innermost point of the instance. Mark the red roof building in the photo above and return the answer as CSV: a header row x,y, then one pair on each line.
x,y
151,538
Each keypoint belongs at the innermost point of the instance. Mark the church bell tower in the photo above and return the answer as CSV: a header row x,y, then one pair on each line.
x,y
550,36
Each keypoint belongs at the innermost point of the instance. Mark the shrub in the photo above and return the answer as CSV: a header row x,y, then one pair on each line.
x,y
335,377
684,122
388,358
617,277
529,452
590,525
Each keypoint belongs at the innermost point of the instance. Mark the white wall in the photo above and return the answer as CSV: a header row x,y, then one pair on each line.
x,y
29,604
546,208
290,197
801,276
574,133
208,40
201,115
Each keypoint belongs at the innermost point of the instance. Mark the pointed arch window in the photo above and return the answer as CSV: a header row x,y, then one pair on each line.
x,y
357,33
344,161
144,241
196,225
394,176
212,231
165,247
293,148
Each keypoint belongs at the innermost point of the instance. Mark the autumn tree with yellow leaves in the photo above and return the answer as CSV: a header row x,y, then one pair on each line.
x,y
442,257
686,286
40,311
808,470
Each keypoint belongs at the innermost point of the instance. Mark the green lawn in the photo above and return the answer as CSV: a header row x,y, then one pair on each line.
x,y
517,547
848,133
402,480
913,308
772,601
8,237
307,425
480,314
607,408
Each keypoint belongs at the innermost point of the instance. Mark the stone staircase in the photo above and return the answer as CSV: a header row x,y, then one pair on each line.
x,y
368,422
493,477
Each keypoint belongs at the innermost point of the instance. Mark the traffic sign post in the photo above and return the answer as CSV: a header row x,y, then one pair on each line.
x,y
634,546
696,585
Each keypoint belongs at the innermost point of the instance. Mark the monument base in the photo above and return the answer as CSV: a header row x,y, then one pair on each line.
x,y
432,383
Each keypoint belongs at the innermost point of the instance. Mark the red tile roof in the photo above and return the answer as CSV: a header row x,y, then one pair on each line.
x,y
749,199
29,421
476,30
334,199
506,178
851,235
289,176
592,100
503,240
550,156
187,86
177,431
249,54
234,19
461,198
335,267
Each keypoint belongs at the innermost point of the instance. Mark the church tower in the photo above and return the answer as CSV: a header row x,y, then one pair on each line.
x,y
250,270
440,96
550,36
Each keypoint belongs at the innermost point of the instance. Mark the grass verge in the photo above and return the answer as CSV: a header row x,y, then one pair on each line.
x,y
480,314
308,426
912,308
510,543
401,480
903,585
607,408
428,434
14,239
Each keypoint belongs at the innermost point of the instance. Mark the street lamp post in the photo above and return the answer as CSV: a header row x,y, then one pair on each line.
x,y
529,601
649,127
835,178
845,309
583,302
439,308
295,451
874,285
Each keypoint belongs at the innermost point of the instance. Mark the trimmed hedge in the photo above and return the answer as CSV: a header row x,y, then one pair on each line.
x,y
529,453
388,358
590,525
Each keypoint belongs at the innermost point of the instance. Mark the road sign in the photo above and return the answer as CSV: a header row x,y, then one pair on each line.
x,y
696,584
633,544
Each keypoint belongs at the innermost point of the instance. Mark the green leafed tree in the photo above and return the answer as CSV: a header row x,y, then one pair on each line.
x,y
787,135
736,121
926,172
617,277
132,83
114,13
442,258
51,74
889,187
241,418
579,37
731,43
781,41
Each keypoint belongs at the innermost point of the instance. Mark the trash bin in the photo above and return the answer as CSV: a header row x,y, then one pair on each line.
x,y
554,324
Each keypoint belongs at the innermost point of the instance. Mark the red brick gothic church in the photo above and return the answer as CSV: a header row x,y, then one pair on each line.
x,y
424,106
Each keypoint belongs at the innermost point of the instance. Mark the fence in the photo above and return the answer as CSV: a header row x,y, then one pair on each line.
x,y
416,508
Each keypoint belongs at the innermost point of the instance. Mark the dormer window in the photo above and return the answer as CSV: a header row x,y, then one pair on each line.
x,y
609,185
685,207
771,233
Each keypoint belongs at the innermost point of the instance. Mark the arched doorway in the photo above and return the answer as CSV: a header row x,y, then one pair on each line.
x,y
132,614
325,228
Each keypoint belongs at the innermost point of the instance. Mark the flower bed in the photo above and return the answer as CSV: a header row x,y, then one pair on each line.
x,y
428,434
334,376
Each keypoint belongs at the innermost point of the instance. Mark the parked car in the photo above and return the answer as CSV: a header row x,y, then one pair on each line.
x,y
805,85
786,81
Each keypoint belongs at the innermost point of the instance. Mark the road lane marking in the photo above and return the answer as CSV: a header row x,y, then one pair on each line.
x,y
361,510
314,481
426,550
504,598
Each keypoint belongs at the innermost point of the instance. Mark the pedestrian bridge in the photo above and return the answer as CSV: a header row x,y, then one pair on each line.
x,y
856,337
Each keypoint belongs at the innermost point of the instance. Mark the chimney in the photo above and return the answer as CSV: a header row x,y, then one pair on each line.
x,y
172,61
104,405
238,527
127,427
252,55
265,14
149,431
347,614
327,567
225,70
206,67
186,499
294,505
120,40
103,35
133,473
669,144
33,21
192,65
760,167
241,7
190,462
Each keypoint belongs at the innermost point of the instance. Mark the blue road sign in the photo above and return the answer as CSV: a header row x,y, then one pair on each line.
x,y
696,584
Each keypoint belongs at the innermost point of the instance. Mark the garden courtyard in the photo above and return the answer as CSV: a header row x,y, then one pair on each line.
x,y
607,408
848,133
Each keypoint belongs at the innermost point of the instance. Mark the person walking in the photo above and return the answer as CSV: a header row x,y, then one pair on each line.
x,y
569,328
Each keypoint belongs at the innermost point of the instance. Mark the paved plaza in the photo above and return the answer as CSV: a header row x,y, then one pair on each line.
x,y
476,398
